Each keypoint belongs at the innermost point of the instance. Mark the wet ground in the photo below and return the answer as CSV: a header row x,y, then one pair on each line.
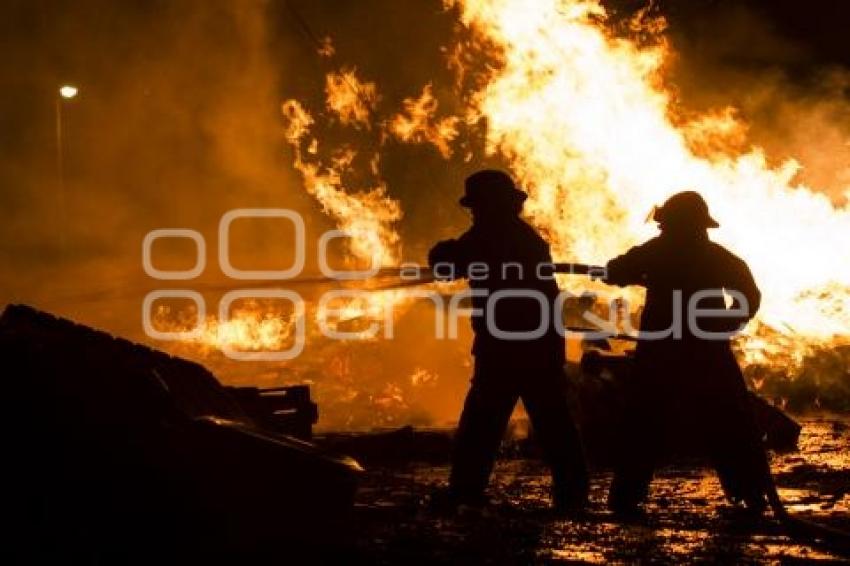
x,y
688,519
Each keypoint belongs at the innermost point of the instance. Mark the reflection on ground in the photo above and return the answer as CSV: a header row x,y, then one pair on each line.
x,y
688,518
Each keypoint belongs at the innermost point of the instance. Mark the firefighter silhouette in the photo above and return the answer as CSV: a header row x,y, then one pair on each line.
x,y
692,382
509,369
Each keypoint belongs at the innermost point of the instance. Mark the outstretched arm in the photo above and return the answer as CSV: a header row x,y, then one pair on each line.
x,y
450,259
631,268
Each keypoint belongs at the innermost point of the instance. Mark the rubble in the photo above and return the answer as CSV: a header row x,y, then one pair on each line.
x,y
596,389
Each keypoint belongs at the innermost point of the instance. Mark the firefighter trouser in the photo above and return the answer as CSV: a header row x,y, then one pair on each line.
x,y
496,387
703,401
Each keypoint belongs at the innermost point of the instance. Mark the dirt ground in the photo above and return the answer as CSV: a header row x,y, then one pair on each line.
x,y
688,519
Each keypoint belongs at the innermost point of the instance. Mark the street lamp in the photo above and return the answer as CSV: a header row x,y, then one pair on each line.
x,y
66,92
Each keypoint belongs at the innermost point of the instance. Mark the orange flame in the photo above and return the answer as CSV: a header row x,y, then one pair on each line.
x,y
366,216
588,126
351,99
590,130
417,124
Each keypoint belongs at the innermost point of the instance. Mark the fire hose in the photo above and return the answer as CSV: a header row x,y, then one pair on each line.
x,y
803,529
425,275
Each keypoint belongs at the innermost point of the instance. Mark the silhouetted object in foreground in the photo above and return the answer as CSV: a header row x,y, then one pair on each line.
x,y
286,410
122,454
688,383
507,370
602,386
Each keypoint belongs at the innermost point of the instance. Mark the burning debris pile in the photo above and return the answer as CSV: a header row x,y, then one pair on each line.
x,y
359,384
597,389
817,380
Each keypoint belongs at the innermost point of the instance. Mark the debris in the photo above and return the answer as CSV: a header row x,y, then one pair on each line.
x,y
121,452
287,410
597,388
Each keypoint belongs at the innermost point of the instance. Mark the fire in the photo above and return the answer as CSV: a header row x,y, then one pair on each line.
x,y
367,216
264,326
588,124
591,131
363,310
417,124
251,327
351,99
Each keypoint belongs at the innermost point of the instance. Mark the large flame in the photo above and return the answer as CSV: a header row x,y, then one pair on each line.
x,y
592,133
367,216
586,121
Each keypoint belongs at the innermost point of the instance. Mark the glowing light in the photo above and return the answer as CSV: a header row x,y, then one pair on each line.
x,y
588,125
417,124
68,91
585,119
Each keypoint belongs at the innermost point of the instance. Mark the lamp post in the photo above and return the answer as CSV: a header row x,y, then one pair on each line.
x,y
66,92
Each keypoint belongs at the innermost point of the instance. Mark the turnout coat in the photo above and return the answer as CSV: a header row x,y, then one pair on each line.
x,y
683,377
